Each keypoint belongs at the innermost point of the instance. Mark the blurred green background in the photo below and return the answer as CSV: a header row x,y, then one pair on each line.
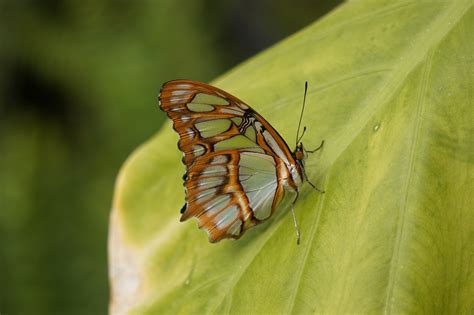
x,y
78,90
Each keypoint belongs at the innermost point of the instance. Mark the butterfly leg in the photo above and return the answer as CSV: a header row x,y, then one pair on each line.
x,y
318,148
312,185
298,234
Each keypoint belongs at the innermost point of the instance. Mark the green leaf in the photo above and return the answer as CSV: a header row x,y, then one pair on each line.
x,y
390,90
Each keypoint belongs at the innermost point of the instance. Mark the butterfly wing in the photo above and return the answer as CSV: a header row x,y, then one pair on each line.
x,y
236,163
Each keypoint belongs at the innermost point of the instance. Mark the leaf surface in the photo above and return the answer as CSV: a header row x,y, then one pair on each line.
x,y
391,93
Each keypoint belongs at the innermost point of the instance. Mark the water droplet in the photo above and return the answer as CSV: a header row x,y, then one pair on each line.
x,y
376,127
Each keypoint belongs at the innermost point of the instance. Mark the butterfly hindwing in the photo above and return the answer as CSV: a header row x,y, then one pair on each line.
x,y
230,191
215,196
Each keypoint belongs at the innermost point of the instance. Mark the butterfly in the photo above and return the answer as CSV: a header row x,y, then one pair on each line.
x,y
238,168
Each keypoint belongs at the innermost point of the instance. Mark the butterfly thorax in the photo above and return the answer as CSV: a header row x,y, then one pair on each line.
x,y
299,155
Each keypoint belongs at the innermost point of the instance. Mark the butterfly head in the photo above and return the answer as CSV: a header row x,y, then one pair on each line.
x,y
300,153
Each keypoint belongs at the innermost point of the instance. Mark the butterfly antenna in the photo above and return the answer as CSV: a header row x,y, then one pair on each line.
x,y
298,234
301,137
302,110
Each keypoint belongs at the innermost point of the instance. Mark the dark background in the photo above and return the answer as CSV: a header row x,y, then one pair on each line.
x,y
78,93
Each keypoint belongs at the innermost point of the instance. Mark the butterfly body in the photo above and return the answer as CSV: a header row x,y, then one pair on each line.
x,y
238,168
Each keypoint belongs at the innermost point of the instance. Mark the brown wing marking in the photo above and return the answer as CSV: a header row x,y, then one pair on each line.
x,y
282,175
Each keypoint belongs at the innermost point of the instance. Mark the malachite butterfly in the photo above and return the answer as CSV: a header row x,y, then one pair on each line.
x,y
238,168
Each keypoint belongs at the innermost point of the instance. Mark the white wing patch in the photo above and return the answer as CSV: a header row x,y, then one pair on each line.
x,y
257,175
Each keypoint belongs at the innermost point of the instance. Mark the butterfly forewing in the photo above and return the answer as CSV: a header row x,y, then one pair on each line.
x,y
201,116
236,163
